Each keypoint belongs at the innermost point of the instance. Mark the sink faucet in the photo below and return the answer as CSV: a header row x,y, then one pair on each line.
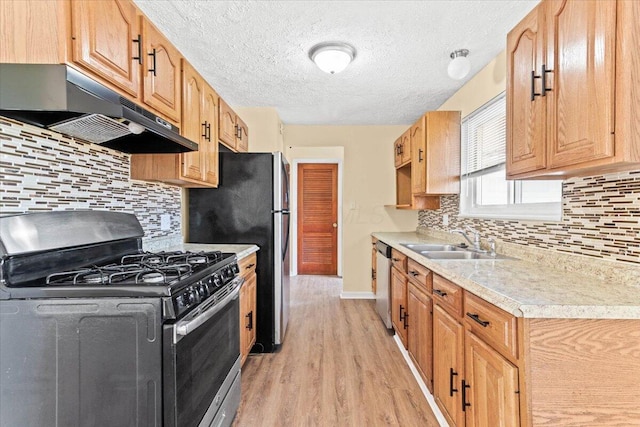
x,y
476,237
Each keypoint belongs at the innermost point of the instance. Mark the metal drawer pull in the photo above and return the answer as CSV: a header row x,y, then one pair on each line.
x,y
250,266
396,259
439,292
477,319
414,273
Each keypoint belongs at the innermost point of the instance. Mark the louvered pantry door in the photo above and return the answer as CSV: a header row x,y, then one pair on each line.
x,y
317,218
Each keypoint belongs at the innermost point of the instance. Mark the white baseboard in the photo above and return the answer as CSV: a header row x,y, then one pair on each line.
x,y
357,295
430,399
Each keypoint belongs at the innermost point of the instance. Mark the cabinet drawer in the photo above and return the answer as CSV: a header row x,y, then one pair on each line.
x,y
494,325
448,295
247,265
419,274
399,260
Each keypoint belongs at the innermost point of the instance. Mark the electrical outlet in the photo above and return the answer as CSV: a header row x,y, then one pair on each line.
x,y
445,220
165,222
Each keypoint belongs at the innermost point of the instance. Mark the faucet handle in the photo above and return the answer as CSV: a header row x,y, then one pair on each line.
x,y
476,234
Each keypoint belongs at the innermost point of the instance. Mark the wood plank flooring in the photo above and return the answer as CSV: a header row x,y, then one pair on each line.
x,y
338,366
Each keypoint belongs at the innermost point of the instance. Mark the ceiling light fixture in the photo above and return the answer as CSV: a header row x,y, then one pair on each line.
x,y
332,57
460,65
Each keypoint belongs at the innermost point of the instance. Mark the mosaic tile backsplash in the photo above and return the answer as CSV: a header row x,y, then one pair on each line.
x,y
42,170
600,219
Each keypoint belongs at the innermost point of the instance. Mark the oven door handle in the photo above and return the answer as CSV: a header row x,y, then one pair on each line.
x,y
184,329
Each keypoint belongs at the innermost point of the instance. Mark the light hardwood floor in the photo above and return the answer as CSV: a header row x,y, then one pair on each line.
x,y
338,366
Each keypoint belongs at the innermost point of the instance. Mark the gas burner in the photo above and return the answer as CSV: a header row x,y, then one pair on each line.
x,y
152,277
197,259
94,278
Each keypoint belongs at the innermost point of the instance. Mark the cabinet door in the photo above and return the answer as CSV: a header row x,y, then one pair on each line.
x,y
227,125
397,152
418,157
192,126
405,151
492,395
580,105
525,110
210,139
161,89
242,141
106,41
448,364
399,304
250,326
420,333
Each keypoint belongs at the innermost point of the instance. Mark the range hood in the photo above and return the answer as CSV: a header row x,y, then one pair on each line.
x,y
59,98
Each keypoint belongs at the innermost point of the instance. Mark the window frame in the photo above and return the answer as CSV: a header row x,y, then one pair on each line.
x,y
468,208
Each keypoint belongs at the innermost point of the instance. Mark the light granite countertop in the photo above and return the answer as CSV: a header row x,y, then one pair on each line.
x,y
527,289
241,251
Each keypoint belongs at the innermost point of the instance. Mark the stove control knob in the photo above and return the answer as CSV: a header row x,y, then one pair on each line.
x,y
216,280
204,291
235,268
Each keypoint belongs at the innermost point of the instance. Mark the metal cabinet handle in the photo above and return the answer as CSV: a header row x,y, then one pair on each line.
x,y
139,41
395,259
373,274
153,54
465,386
250,266
250,324
452,374
545,89
401,315
414,273
439,292
406,320
533,86
420,155
477,319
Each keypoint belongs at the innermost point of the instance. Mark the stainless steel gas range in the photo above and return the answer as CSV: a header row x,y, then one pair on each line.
x,y
96,332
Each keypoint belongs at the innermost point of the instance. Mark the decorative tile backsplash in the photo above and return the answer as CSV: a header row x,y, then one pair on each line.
x,y
600,218
43,170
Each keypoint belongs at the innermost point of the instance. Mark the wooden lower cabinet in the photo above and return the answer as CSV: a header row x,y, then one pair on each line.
x,y
492,392
420,345
248,305
448,365
399,316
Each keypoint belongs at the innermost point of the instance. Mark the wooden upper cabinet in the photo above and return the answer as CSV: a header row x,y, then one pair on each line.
x,y
435,163
580,50
242,141
234,133
227,125
572,107
161,73
525,107
106,41
210,135
193,127
34,31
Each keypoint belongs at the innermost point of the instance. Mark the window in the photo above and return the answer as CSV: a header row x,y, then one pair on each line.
x,y
485,192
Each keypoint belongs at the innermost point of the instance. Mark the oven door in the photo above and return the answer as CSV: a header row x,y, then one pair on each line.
x,y
201,351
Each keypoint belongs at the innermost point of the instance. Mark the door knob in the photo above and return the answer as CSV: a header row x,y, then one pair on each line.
x,y
335,225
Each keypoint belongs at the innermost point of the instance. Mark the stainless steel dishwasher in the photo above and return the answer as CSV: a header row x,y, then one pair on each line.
x,y
383,286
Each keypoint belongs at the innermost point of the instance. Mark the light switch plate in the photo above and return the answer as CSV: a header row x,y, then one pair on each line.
x,y
445,220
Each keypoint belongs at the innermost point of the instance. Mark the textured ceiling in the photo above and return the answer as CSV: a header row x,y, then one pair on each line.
x,y
255,53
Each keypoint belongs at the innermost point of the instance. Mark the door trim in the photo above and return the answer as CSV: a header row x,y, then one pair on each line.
x,y
293,201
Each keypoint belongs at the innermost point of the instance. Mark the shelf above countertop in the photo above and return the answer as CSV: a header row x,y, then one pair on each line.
x,y
526,289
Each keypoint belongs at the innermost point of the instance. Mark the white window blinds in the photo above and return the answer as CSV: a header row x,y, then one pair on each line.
x,y
483,139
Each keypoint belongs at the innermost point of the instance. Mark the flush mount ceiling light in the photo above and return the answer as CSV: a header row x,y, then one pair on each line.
x,y
460,65
332,57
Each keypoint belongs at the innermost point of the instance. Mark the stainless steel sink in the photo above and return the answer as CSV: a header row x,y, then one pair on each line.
x,y
423,247
460,255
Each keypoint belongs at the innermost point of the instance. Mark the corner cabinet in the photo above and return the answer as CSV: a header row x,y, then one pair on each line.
x,y
571,105
248,305
197,168
234,133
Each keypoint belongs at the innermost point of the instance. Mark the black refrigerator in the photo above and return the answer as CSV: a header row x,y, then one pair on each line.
x,y
251,205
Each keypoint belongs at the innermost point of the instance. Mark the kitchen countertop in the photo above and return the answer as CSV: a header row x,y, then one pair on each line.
x,y
241,251
526,289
